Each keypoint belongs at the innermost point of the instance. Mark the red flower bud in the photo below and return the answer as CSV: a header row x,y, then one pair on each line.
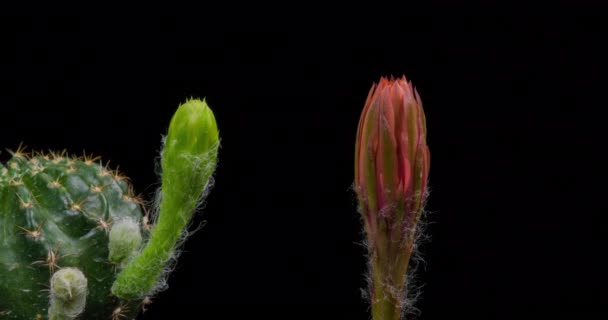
x,y
392,163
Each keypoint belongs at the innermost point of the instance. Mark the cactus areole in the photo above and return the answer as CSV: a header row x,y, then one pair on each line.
x,y
74,240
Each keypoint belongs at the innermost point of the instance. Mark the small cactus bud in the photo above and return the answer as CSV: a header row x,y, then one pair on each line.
x,y
125,239
68,294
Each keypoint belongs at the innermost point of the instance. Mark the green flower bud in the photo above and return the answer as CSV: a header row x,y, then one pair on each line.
x,y
190,153
68,294
125,239
189,158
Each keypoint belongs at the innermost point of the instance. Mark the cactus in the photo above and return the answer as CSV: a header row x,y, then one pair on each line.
x,y
74,240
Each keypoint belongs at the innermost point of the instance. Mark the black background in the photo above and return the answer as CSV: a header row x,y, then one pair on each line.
x,y
514,128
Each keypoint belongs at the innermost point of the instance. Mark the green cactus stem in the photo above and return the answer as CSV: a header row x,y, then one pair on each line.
x,y
56,215
189,158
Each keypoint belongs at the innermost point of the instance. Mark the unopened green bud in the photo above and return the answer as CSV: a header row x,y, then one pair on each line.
x,y
125,239
190,153
68,294
188,160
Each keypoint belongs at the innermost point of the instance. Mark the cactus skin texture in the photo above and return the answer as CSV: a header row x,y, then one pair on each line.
x,y
58,212
74,243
